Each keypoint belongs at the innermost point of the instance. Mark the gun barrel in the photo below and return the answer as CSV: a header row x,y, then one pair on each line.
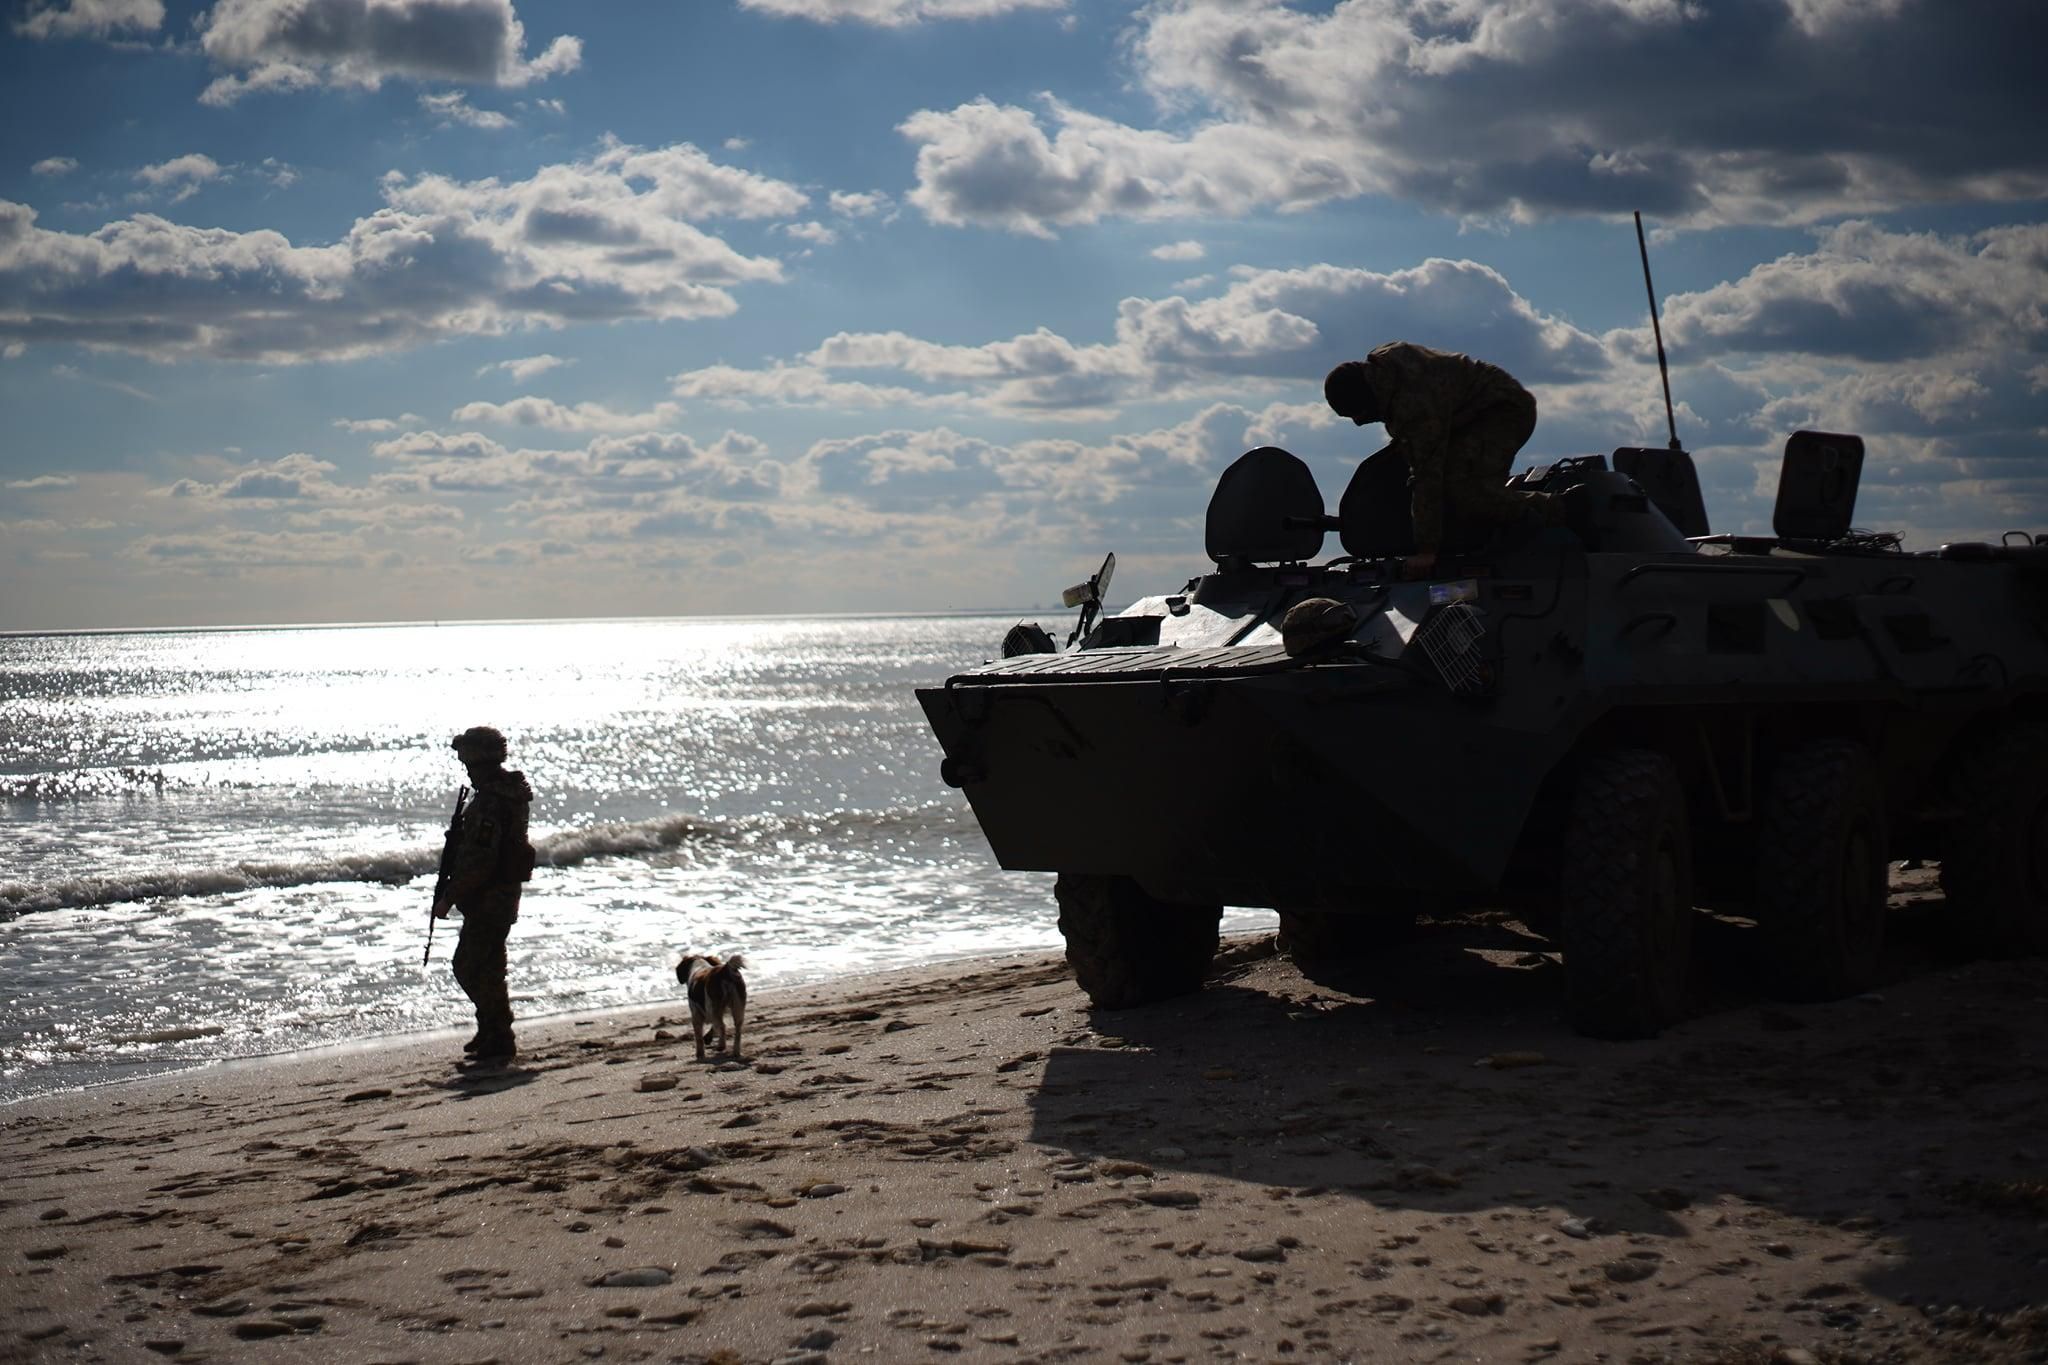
x,y
448,844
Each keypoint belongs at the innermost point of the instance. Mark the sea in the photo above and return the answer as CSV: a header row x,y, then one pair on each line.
x,y
217,845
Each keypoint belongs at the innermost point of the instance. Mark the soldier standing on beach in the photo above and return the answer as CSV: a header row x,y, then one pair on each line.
x,y
1459,422
493,860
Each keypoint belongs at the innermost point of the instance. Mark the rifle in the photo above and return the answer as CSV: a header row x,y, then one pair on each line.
x,y
447,866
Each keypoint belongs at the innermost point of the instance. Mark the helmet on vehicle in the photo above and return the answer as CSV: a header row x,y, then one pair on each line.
x,y
479,742
1348,390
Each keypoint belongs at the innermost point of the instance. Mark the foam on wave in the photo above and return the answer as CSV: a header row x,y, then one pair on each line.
x,y
395,866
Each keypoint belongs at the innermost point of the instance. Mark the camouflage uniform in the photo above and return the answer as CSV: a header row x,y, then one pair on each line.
x,y
1459,422
492,861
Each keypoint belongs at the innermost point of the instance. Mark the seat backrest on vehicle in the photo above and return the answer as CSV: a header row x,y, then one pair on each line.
x,y
1266,510
1672,482
1817,486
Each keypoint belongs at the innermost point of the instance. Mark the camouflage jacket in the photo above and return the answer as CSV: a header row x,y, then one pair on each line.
x,y
492,856
1423,394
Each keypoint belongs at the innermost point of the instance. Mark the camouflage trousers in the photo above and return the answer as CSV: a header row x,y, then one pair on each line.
x,y
1478,455
480,967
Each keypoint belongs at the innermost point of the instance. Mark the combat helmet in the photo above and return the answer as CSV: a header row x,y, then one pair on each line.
x,y
481,741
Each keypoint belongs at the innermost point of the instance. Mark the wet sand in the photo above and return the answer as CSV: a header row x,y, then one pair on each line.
x,y
1409,1158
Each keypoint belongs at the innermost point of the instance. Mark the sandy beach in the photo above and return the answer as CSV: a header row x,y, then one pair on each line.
x,y
1409,1158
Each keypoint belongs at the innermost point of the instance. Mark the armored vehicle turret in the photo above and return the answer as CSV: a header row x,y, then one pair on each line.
x,y
1606,725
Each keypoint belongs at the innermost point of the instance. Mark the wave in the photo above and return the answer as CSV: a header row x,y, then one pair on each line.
x,y
82,783
394,867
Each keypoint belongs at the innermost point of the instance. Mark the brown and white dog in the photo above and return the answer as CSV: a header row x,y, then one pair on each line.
x,y
716,989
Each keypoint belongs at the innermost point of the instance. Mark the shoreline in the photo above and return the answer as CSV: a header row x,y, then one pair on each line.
x,y
1410,1158
382,1041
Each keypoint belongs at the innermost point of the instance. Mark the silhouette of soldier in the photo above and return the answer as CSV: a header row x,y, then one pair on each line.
x,y
1459,422
493,860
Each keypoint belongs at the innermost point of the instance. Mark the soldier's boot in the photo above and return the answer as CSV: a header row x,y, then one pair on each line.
x,y
497,1047
475,1040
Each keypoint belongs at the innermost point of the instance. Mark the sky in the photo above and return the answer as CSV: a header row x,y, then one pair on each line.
x,y
368,310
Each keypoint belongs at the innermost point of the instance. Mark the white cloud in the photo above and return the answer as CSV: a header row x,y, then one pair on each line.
x,y
817,234
1273,327
43,481
54,166
791,386
454,107
1872,295
860,203
90,18
1179,251
895,13
611,467
183,175
364,425
276,45
601,240
524,368
292,478
988,165
531,411
1279,104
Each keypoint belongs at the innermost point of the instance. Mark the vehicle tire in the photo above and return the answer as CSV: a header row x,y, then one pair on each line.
x,y
1127,948
1330,936
1994,867
1626,896
1823,873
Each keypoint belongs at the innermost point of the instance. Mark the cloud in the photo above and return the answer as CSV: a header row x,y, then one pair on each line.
x,y
784,385
817,234
183,175
279,45
602,240
1271,327
292,478
1872,295
1835,108
610,468
1179,251
54,166
375,424
90,18
43,481
526,367
546,412
860,203
894,13
988,165
454,107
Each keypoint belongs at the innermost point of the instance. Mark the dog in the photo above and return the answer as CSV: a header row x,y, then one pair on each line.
x,y
716,989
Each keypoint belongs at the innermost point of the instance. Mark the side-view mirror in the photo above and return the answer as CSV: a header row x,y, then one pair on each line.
x,y
1088,597
1094,590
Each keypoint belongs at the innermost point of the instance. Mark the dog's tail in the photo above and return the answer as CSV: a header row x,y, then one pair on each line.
x,y
733,963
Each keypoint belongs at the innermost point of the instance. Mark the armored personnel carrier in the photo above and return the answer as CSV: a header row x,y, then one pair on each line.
x,y
1607,725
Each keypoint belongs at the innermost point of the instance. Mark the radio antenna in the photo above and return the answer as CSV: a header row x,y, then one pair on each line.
x,y
1657,329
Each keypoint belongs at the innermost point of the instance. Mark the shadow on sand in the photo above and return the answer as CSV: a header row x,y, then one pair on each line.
x,y
1438,1075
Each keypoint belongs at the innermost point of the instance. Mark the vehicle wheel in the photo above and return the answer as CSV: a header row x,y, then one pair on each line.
x,y
1127,948
1626,897
1822,872
1328,936
1994,868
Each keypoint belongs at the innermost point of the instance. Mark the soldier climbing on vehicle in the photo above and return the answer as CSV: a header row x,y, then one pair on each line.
x,y
1458,422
